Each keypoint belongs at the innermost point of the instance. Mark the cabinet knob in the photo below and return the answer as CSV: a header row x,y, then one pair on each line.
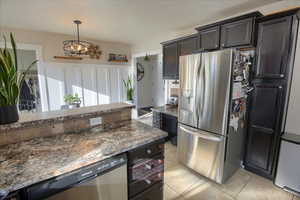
x,y
149,151
148,181
281,75
147,166
280,87
216,45
223,45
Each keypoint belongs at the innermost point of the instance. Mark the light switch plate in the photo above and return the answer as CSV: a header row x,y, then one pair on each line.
x,y
95,121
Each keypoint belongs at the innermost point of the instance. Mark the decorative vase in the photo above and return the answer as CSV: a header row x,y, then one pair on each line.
x,y
9,114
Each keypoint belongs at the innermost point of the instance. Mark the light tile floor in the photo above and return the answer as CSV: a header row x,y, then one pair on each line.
x,y
183,184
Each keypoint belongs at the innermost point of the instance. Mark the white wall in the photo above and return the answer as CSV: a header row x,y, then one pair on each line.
x,y
293,115
95,84
158,83
144,86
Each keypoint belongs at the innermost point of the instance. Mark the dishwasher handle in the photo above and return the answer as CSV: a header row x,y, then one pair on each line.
x,y
200,134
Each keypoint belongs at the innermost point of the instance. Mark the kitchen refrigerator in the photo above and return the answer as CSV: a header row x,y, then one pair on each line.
x,y
212,111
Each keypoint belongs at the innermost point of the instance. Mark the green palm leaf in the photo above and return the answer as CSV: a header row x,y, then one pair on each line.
x,y
10,79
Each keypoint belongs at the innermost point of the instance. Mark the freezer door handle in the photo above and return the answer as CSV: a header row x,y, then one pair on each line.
x,y
201,134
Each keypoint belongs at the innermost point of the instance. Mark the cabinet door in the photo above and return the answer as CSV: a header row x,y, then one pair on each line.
x,y
170,58
209,39
273,48
263,130
169,124
188,46
237,33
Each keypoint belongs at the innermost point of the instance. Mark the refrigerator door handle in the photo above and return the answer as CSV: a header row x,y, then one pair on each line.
x,y
199,91
200,134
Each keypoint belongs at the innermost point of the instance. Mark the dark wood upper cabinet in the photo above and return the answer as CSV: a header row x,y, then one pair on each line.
x,y
237,33
209,39
171,52
188,46
273,48
170,61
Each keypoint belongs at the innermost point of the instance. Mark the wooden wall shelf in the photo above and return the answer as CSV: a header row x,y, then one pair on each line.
x,y
68,57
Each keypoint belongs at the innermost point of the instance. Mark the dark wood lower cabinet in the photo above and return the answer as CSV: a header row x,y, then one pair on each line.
x,y
263,130
146,172
154,193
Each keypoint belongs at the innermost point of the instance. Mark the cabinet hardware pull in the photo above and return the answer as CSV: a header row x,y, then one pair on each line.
x,y
148,181
149,151
148,166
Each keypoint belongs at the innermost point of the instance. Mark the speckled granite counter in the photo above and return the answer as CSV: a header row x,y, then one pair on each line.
x,y
170,110
35,160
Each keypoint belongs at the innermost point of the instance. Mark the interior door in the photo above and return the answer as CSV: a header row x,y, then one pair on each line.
x,y
213,90
188,66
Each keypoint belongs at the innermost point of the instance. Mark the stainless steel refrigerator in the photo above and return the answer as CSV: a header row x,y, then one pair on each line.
x,y
206,144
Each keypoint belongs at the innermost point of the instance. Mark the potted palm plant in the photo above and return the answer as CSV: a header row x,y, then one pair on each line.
x,y
129,89
10,82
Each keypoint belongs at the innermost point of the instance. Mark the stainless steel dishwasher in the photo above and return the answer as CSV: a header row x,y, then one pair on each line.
x,y
106,180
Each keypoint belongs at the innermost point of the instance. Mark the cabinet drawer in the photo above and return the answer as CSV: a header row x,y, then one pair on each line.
x,y
145,152
144,169
153,193
142,185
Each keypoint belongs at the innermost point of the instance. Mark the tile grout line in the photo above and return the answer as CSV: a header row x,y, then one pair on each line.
x,y
179,195
245,185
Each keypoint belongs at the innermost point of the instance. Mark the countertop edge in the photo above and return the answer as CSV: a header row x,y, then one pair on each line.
x,y
162,135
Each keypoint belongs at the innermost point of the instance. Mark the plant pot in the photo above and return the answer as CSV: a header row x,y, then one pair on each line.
x,y
9,114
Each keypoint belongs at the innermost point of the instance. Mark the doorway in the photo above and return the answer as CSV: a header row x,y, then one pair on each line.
x,y
149,85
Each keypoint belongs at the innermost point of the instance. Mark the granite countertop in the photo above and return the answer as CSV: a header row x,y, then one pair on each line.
x,y
36,160
170,110
30,119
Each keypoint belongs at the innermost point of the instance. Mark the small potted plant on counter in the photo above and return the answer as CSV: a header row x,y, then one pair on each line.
x,y
11,81
129,89
72,101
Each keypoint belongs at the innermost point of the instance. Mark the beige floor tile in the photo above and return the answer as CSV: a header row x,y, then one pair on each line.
x,y
296,198
236,183
206,191
180,179
170,148
170,194
259,188
171,163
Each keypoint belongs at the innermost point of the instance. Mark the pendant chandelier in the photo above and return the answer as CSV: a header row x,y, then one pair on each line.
x,y
76,47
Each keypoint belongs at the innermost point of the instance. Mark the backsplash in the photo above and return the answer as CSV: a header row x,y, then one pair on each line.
x,y
112,119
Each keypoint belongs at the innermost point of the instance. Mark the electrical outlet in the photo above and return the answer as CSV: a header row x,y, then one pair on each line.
x,y
95,121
